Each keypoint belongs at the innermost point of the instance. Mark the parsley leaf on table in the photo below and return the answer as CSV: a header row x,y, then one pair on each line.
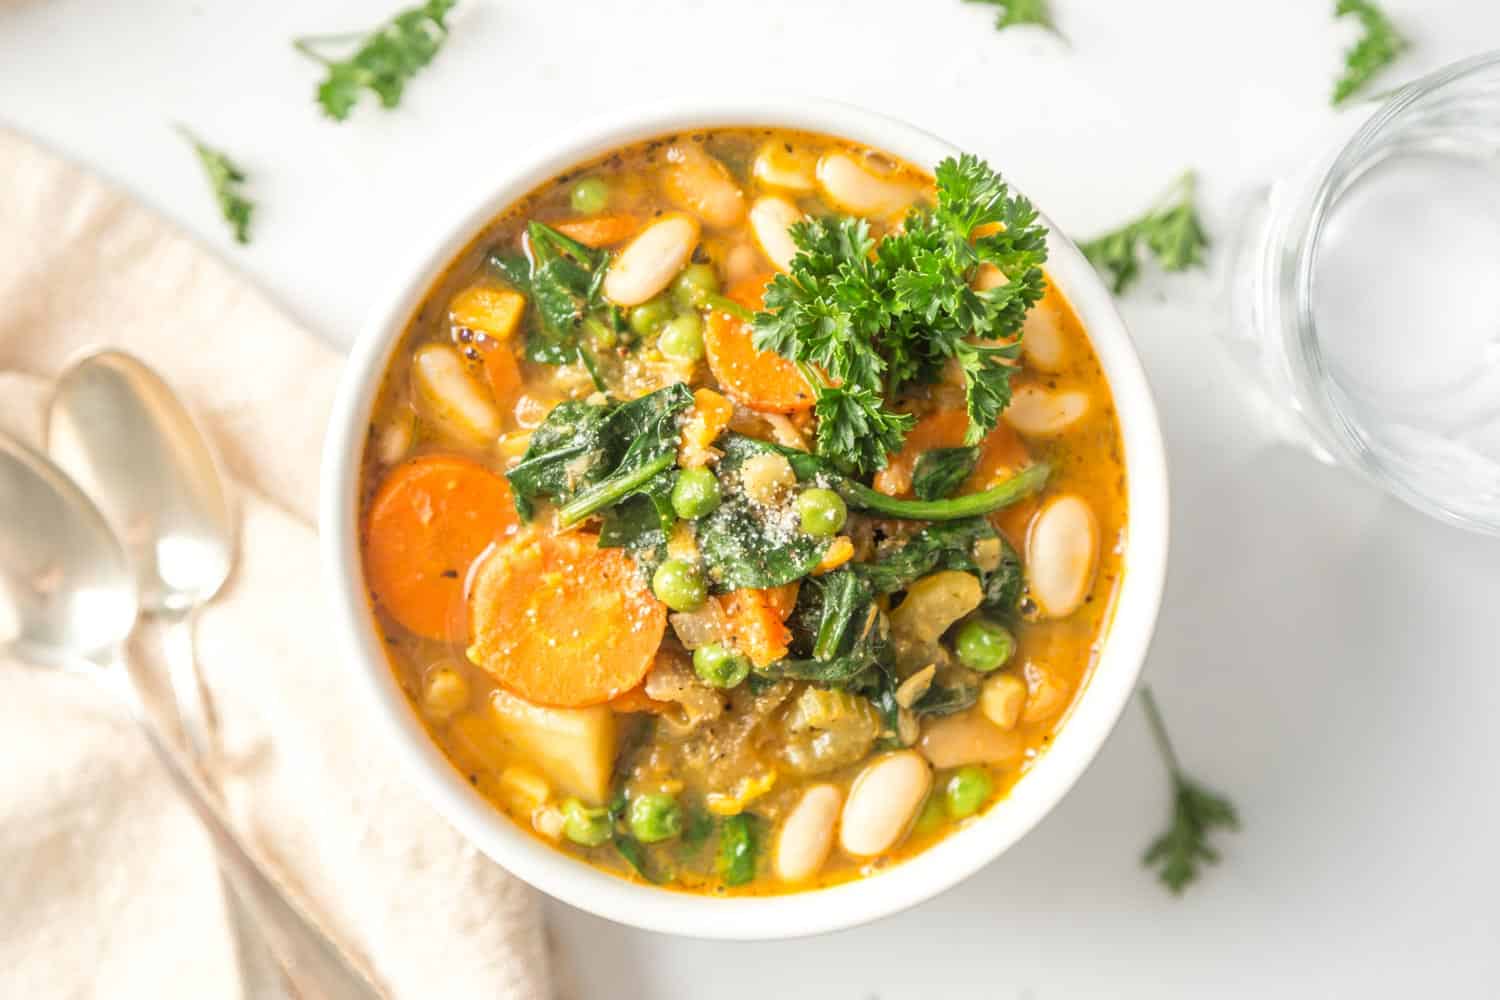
x,y
385,61
865,320
225,178
1196,813
1171,230
1019,12
1377,47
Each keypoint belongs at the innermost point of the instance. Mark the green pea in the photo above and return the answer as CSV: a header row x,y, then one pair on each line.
x,y
967,791
679,585
823,512
696,283
654,817
582,825
589,196
934,814
682,338
984,645
720,666
695,494
649,317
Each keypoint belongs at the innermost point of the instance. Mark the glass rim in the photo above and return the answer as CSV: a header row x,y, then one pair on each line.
x,y
1312,373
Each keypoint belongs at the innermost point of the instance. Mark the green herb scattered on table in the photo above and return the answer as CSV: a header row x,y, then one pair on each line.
x,y
1014,13
864,320
1377,48
1171,231
225,178
385,60
1196,812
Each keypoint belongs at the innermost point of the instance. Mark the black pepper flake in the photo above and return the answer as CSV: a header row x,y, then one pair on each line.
x,y
465,335
450,574
473,779
471,354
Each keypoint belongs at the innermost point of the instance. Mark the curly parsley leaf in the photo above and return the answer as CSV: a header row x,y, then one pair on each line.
x,y
1197,811
866,320
385,60
1018,12
1171,230
1377,48
225,178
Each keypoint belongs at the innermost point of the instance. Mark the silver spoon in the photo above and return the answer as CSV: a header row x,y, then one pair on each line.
x,y
68,601
118,430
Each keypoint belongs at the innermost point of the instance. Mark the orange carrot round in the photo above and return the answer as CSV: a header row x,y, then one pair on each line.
x,y
761,380
561,622
503,373
430,519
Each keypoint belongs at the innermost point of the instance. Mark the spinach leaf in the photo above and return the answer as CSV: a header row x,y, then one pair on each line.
x,y
742,543
944,699
565,279
738,849
631,850
950,545
513,267
697,826
838,631
586,457
942,470
1003,585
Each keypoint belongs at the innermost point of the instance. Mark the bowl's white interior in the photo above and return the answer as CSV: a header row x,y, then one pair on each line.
x,y
1092,716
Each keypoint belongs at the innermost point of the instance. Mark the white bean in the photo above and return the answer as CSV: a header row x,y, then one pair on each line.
x,y
701,184
1038,412
1042,340
789,169
770,218
651,260
1062,552
969,737
807,834
454,400
882,801
854,189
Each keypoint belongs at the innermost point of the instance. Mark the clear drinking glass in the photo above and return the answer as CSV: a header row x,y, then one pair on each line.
x,y
1367,297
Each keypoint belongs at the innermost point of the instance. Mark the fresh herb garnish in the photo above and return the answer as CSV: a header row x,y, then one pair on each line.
x,y
865,325
942,470
1014,13
1378,46
1196,812
225,178
384,62
737,849
1171,230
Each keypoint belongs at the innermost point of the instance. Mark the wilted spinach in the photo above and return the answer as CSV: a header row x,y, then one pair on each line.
x,y
586,457
942,470
563,278
949,545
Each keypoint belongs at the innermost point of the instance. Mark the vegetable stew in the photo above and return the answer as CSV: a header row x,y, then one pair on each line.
x,y
743,510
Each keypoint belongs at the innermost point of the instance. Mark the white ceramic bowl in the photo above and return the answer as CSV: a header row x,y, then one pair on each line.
x,y
1091,718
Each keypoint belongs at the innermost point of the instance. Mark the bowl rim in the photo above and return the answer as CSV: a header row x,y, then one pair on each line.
x,y
1091,718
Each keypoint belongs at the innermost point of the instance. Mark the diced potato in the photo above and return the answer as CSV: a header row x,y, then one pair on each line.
x,y
455,401
935,602
767,478
1001,699
573,748
523,788
969,738
495,312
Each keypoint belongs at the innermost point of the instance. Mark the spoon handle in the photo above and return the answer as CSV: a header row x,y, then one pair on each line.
x,y
260,975
313,961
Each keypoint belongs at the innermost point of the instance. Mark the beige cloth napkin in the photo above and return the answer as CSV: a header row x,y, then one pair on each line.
x,y
107,887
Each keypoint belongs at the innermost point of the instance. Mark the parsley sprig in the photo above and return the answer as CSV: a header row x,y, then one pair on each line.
x,y
225,178
1014,13
866,320
385,61
1196,813
1171,230
1378,47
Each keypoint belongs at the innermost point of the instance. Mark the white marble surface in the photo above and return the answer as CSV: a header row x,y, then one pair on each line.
x,y
1325,655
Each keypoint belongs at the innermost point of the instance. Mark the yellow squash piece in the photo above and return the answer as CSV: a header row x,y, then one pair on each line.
x,y
495,312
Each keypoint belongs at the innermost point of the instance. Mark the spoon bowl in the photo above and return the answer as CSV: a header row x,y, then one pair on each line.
x,y
67,595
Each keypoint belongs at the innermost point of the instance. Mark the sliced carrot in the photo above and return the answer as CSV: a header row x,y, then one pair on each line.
x,y
600,230
1000,453
637,700
762,380
503,374
755,621
430,519
703,423
561,622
